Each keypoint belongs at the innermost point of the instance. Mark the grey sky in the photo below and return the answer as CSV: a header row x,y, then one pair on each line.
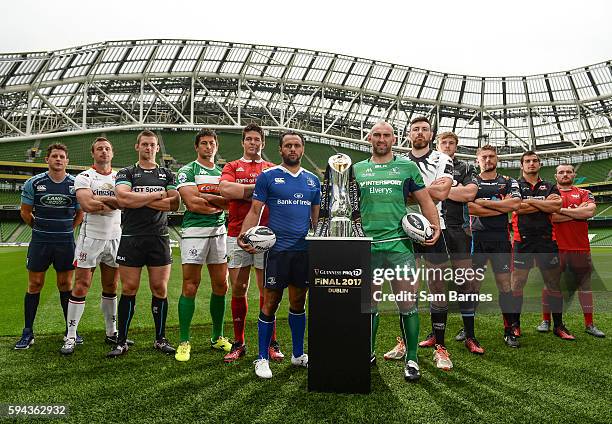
x,y
478,38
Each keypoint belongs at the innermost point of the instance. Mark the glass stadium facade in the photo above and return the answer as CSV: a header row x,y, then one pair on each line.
x,y
191,84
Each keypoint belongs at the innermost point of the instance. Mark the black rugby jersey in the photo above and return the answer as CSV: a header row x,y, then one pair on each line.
x,y
145,221
537,223
455,212
494,227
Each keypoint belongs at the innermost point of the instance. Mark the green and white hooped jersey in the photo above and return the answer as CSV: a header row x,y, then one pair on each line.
x,y
383,189
207,181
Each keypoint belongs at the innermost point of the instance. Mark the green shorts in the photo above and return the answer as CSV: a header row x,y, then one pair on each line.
x,y
386,259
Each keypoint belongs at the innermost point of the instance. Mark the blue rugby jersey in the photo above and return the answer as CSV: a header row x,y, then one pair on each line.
x,y
288,198
54,206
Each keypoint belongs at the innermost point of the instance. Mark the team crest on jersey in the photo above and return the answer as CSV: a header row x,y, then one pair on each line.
x,y
182,177
41,188
71,189
394,171
310,182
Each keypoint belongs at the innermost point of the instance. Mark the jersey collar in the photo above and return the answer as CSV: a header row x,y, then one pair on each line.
x,y
249,161
419,159
101,173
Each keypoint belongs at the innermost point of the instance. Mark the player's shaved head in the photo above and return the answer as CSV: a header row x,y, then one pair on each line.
x,y
382,125
381,138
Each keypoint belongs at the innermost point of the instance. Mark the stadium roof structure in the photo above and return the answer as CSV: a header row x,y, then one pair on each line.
x,y
194,84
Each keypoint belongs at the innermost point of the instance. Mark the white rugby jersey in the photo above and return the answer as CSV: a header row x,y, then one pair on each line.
x,y
434,165
105,226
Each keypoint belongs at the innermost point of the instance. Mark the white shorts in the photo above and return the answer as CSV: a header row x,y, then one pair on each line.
x,y
90,252
204,250
238,258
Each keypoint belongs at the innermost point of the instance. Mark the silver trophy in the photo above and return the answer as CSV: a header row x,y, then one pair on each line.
x,y
340,205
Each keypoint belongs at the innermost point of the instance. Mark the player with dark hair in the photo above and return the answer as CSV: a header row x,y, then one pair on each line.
x,y
293,196
497,196
49,205
147,192
385,182
97,244
203,241
572,235
534,239
437,171
237,184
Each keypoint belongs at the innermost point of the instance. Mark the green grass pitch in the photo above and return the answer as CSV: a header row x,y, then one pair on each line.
x,y
547,380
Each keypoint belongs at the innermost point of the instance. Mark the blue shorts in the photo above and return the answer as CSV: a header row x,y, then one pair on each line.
x,y
284,268
41,255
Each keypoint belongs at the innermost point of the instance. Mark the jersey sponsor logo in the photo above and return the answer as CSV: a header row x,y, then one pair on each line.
x,y
293,202
55,200
382,182
41,188
182,177
279,180
298,195
147,189
253,175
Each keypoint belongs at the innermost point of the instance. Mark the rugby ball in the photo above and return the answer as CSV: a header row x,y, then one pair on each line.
x,y
260,237
417,227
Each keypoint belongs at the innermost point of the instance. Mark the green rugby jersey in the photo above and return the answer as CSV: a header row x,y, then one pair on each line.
x,y
383,189
207,181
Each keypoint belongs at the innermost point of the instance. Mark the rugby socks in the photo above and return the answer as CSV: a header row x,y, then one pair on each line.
x,y
159,308
76,306
409,324
217,313
109,310
261,302
240,306
30,306
505,304
467,315
64,297
297,324
186,308
555,300
374,320
586,302
125,313
517,307
545,305
439,315
265,327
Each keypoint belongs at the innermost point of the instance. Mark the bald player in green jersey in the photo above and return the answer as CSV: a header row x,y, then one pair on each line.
x,y
386,182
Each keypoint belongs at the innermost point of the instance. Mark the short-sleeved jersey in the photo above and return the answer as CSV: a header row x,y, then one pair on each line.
x,y
434,165
145,221
383,188
494,227
243,171
574,234
54,205
537,223
106,226
207,181
455,213
289,197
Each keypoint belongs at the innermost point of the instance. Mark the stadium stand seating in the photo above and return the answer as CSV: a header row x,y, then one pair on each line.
x,y
604,210
603,237
10,197
23,234
7,228
16,151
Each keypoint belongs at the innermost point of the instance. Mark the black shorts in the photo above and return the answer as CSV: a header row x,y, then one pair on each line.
x,y
284,268
138,251
543,250
458,243
41,255
499,252
436,254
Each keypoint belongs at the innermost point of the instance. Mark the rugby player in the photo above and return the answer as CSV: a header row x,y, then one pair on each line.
x,y
534,239
146,191
97,243
202,241
437,171
237,185
572,234
49,205
293,196
458,237
385,183
497,196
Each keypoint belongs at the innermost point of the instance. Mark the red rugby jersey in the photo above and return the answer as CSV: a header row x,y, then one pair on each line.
x,y
244,172
574,234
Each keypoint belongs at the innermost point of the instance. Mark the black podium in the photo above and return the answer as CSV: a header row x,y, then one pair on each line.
x,y
339,329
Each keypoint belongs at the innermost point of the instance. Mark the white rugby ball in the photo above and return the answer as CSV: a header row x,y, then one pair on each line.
x,y
417,227
260,237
